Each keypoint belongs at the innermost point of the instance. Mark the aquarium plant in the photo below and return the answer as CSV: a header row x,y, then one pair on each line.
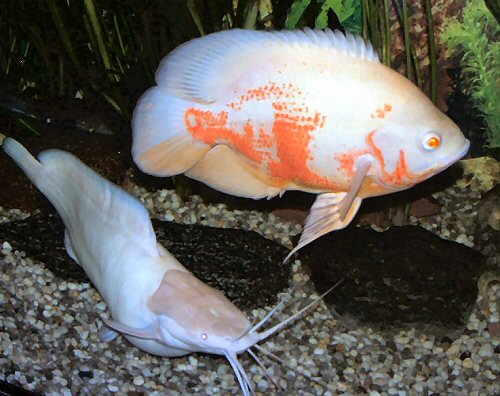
x,y
476,39
92,49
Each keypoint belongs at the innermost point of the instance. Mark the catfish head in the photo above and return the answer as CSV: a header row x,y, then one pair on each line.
x,y
195,317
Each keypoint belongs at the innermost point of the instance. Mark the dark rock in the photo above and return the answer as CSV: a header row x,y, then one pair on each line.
x,y
494,329
295,215
425,207
245,266
379,219
406,353
486,237
85,374
405,275
7,389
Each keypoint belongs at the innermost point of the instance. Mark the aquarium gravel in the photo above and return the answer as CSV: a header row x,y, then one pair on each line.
x,y
49,329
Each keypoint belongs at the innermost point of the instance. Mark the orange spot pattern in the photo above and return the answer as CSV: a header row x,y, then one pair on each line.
x,y
267,91
212,129
380,113
291,134
292,140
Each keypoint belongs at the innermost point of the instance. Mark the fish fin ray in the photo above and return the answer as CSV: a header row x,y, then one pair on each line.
x,y
361,166
198,70
161,144
223,170
324,217
334,211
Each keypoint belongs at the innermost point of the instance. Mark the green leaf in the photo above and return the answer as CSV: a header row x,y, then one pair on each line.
x,y
348,12
296,11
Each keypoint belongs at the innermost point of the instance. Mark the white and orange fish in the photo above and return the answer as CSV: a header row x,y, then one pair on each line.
x,y
254,114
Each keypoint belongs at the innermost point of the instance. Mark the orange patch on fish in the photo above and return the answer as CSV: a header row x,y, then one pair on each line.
x,y
380,113
291,134
212,129
347,160
377,153
267,91
400,175
401,172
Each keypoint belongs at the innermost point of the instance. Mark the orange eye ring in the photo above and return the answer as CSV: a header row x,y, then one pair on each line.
x,y
432,141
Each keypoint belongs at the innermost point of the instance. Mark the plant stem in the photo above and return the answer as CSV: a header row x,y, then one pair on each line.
x,y
61,77
90,7
251,14
406,27
118,35
63,33
196,17
432,50
387,35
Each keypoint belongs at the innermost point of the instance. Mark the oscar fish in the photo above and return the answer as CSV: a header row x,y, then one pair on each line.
x,y
254,114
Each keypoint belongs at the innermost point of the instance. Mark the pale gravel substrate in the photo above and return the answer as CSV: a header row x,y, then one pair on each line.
x,y
49,331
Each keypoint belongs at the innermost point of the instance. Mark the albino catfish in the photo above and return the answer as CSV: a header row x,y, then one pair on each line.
x,y
255,114
156,303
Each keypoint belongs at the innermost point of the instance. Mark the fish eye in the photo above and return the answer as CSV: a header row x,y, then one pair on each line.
x,y
431,141
204,336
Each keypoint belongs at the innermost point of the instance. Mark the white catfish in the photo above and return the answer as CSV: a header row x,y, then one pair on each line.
x,y
156,303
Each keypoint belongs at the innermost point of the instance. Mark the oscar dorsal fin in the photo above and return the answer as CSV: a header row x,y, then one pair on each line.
x,y
203,69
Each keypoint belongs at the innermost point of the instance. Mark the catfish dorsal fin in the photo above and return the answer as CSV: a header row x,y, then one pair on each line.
x,y
77,192
203,69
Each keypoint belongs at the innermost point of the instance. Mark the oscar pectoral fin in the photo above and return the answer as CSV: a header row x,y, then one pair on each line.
x,y
325,217
334,211
361,167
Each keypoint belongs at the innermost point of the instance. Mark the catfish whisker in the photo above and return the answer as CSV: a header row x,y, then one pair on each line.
x,y
243,379
267,333
265,369
247,331
244,374
296,369
245,384
269,353
265,319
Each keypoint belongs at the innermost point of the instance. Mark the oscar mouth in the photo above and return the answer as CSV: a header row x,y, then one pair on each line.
x,y
461,153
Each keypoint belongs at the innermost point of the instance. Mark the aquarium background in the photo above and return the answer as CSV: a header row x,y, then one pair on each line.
x,y
418,308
